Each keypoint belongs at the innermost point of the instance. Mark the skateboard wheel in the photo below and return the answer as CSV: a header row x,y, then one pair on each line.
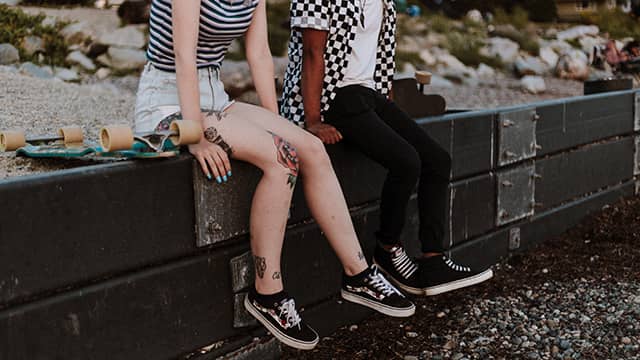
x,y
187,132
117,137
12,140
71,135
423,77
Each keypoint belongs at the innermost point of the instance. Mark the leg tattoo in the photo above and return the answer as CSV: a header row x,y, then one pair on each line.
x,y
287,157
261,265
360,256
276,275
212,136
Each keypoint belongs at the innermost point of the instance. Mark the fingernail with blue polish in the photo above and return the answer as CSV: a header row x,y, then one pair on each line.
x,y
209,176
224,178
219,180
229,173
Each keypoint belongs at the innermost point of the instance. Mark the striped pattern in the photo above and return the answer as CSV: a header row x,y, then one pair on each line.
x,y
402,263
221,22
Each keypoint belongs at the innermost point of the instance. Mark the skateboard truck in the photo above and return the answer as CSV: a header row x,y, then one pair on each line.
x,y
121,137
13,140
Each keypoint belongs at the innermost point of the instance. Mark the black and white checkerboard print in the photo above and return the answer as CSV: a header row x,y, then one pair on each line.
x,y
339,19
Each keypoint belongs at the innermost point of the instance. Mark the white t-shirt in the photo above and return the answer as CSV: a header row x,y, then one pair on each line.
x,y
362,60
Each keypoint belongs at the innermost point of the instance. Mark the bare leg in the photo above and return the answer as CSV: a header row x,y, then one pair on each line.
x,y
272,197
321,187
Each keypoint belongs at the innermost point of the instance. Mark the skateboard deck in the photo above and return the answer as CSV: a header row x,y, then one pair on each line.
x,y
92,152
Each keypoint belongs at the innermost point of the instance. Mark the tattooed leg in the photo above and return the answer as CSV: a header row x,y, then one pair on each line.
x,y
212,136
276,275
288,158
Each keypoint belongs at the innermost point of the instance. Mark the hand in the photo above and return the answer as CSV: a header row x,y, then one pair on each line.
x,y
327,133
213,160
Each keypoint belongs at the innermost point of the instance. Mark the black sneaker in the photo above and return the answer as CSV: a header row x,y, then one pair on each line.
x,y
440,274
371,289
283,321
399,268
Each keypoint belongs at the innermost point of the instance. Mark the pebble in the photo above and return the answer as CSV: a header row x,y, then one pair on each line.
x,y
412,334
625,340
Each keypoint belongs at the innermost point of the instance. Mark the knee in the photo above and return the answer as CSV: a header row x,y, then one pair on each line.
x,y
315,153
286,162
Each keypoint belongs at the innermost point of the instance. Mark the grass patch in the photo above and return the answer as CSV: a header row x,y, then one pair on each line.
x,y
615,22
407,57
518,17
15,25
467,50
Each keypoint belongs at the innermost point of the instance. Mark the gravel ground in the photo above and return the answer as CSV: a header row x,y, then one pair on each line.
x,y
42,106
575,297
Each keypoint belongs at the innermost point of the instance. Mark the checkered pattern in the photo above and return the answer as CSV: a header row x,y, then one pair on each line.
x,y
339,18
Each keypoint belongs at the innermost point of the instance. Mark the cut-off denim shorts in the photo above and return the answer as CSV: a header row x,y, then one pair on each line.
x,y
157,100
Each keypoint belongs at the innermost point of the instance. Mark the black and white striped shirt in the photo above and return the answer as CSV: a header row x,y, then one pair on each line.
x,y
221,22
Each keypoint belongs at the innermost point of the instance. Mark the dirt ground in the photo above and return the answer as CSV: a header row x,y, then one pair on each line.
x,y
574,297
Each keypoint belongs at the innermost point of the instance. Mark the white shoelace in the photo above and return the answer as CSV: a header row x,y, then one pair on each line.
x,y
455,266
403,264
289,312
381,284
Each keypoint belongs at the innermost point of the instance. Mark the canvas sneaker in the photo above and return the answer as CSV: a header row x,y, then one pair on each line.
x,y
283,321
399,268
371,289
440,274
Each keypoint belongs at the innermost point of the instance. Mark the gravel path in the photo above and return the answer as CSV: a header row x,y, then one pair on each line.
x,y
574,297
42,106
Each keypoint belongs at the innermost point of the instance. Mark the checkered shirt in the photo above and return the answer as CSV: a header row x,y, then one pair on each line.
x,y
340,19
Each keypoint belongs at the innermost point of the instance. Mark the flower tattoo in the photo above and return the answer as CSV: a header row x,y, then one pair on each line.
x,y
288,158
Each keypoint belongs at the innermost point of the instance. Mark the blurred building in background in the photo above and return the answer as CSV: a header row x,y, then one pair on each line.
x,y
573,10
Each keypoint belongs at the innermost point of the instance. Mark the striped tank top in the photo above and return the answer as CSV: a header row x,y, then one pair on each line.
x,y
221,21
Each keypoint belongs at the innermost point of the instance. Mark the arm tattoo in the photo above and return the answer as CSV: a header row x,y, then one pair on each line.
x,y
261,265
360,255
276,275
287,157
212,136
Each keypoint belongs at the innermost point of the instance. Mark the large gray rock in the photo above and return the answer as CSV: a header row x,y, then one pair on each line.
x,y
533,84
578,31
31,69
549,56
69,75
126,59
125,37
574,65
76,33
78,58
529,65
32,45
8,54
505,49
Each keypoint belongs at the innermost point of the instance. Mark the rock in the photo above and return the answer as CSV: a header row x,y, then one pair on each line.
x,y
626,340
31,69
412,334
8,69
125,37
126,59
95,49
573,64
49,21
103,73
104,60
475,15
533,84
549,56
134,11
560,46
588,43
503,48
76,33
32,44
66,74
10,2
505,31
427,57
529,65
410,357
564,344
8,54
577,32
77,57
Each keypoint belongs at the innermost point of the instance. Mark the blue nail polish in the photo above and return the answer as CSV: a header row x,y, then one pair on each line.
x,y
229,173
219,180
209,176
224,178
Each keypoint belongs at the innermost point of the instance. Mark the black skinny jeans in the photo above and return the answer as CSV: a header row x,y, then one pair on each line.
x,y
387,135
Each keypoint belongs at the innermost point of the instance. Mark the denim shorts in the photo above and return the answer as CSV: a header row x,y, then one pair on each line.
x,y
157,99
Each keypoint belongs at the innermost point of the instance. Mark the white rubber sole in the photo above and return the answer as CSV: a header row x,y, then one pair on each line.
x,y
387,310
284,338
459,284
405,288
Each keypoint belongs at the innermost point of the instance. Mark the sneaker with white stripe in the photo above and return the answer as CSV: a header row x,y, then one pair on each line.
x,y
399,268
441,274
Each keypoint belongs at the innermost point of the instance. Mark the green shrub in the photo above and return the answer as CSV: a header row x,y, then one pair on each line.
x,y
467,49
407,57
518,17
15,25
615,22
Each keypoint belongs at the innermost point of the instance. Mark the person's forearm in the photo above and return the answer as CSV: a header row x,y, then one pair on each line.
x,y
261,65
312,81
188,87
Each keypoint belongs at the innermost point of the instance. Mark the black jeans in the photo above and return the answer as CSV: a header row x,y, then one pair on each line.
x,y
386,134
